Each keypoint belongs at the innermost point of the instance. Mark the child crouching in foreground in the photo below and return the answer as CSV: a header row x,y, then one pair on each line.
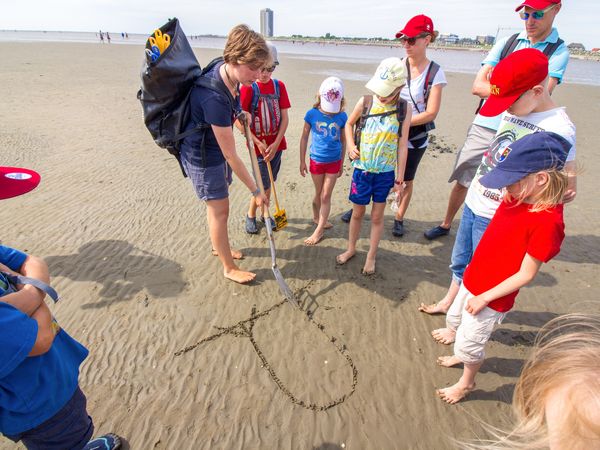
x,y
526,230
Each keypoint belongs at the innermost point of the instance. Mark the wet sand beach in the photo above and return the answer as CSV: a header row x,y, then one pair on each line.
x,y
126,241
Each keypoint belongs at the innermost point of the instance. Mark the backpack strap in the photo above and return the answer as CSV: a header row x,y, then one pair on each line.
x,y
255,98
364,115
551,48
432,71
20,279
401,114
510,46
276,84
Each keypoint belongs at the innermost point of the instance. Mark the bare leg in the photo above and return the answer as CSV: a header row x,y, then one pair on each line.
x,y
318,181
405,201
444,304
235,254
465,385
444,336
455,201
358,212
218,214
376,231
327,189
252,205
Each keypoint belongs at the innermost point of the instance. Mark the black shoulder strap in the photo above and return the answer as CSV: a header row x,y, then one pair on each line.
x,y
510,46
401,114
367,103
551,48
432,71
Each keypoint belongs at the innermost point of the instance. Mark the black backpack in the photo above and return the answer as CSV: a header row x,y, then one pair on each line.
x,y
166,85
510,46
400,112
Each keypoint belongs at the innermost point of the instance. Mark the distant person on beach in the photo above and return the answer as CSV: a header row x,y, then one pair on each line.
x,y
423,92
267,102
325,123
538,17
520,83
526,231
556,402
377,137
101,36
41,404
108,37
245,54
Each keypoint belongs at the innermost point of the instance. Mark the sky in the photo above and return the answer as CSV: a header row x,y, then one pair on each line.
x,y
577,21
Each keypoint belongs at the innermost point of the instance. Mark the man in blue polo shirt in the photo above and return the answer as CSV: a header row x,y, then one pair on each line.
x,y
538,16
41,404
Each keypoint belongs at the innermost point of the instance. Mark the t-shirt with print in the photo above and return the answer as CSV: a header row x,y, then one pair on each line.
x,y
379,140
33,388
213,108
484,201
557,64
513,232
265,126
416,91
326,131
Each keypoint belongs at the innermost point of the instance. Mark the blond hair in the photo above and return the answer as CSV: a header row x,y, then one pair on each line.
x,y
245,46
551,193
317,104
565,361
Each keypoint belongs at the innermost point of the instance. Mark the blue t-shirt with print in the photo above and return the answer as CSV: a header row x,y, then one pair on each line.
x,y
32,389
557,65
213,108
326,134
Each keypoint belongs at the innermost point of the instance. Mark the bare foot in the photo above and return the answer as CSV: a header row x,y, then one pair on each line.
x,y
369,267
314,239
448,361
327,226
345,257
455,393
434,308
239,276
235,254
444,335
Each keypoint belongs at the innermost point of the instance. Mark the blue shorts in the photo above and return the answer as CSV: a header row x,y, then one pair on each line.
x,y
275,166
367,185
210,183
69,428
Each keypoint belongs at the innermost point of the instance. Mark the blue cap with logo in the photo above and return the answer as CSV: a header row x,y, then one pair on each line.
x,y
543,150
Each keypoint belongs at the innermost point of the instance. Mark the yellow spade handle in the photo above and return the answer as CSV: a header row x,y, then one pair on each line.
x,y
273,184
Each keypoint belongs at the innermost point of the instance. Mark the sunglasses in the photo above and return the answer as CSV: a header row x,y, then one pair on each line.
x,y
268,69
413,40
537,15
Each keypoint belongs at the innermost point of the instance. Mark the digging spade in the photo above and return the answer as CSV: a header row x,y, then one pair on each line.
x,y
285,289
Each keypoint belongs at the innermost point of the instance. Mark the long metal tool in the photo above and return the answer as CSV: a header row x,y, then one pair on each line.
x,y
285,289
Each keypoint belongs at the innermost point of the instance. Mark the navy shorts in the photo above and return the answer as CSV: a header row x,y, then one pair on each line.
x,y
210,183
275,166
70,428
367,185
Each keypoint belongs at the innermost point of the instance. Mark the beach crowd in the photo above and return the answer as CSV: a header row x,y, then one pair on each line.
x,y
513,177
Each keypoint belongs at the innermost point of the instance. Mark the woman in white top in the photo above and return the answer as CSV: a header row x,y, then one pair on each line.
x,y
423,91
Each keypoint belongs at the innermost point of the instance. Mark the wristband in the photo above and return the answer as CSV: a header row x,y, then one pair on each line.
x,y
256,192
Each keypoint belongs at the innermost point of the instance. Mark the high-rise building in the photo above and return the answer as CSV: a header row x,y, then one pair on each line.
x,y
266,22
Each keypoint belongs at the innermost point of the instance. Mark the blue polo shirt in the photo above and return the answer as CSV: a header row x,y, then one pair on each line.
x,y
32,389
556,65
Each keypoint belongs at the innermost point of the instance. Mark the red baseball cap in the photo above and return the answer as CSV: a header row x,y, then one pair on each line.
x,y
415,26
538,5
514,75
15,181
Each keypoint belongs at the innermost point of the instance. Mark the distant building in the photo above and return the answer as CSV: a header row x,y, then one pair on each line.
x,y
467,42
448,38
266,22
485,40
596,50
576,46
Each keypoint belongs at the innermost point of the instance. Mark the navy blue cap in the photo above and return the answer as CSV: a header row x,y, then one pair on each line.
x,y
532,153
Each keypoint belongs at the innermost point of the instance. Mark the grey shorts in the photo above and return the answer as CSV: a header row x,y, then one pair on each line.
x,y
469,156
210,183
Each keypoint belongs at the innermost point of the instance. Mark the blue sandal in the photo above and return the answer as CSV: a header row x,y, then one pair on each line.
x,y
436,232
108,441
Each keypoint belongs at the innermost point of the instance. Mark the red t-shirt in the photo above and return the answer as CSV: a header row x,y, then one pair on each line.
x,y
513,232
266,127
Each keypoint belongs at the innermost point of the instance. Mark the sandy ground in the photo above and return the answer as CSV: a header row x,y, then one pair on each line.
x,y
126,241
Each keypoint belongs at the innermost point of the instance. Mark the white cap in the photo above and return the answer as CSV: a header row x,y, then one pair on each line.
x,y
331,93
390,75
273,51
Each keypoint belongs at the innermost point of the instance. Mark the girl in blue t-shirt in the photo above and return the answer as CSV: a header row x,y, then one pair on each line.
x,y
326,121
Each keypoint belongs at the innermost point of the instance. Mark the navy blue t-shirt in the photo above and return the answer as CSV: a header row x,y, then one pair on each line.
x,y
212,107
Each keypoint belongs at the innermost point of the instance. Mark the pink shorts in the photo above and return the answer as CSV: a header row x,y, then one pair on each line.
x,y
317,168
